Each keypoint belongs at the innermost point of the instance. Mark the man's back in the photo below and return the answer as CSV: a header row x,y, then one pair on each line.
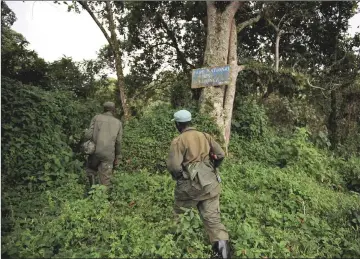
x,y
192,146
106,133
197,146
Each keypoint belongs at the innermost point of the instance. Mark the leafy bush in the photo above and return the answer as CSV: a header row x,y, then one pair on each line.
x,y
282,196
349,169
287,113
39,129
249,119
169,87
31,136
134,221
295,151
147,140
40,132
268,212
277,212
299,152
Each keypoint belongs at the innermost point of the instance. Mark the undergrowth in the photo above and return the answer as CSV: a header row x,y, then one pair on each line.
x,y
281,195
268,211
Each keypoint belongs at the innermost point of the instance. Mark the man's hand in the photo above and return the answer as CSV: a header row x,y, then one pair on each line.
x,y
213,156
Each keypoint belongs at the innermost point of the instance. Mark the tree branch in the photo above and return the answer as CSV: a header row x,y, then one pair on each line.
x,y
273,25
159,44
297,61
91,13
313,86
316,87
179,53
241,67
157,84
249,22
337,62
281,20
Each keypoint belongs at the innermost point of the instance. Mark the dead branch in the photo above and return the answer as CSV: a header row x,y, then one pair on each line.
x,y
313,86
316,87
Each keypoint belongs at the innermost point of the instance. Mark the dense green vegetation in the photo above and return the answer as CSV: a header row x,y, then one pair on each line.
x,y
281,197
289,189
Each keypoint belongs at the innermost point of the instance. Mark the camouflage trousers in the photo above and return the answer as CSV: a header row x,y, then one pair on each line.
x,y
209,209
99,171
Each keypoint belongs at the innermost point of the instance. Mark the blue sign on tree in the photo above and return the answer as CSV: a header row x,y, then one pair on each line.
x,y
212,76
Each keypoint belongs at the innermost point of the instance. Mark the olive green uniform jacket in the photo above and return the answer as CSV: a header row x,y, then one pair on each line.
x,y
106,132
190,147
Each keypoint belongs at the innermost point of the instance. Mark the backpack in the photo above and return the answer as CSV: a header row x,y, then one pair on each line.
x,y
88,147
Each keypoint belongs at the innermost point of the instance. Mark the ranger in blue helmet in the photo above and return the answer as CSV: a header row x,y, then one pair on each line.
x,y
192,162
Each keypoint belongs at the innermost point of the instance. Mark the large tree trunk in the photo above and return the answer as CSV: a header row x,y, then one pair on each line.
x,y
118,62
221,50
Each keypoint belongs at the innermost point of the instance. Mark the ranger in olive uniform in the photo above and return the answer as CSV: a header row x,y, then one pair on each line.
x,y
192,162
106,132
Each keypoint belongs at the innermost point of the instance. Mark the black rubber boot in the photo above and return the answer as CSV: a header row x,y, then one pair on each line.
x,y
221,249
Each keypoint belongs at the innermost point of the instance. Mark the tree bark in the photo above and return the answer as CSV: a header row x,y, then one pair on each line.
x,y
221,50
279,32
277,58
231,88
118,61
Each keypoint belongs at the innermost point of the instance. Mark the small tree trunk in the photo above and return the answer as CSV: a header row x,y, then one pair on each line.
x,y
277,58
121,85
118,61
332,121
